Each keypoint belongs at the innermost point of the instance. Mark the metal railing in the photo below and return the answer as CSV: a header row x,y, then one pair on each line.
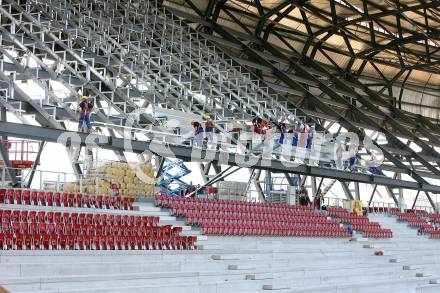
x,y
232,195
385,207
380,207
428,209
46,180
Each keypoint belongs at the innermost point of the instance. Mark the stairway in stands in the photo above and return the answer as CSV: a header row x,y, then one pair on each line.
x,y
148,207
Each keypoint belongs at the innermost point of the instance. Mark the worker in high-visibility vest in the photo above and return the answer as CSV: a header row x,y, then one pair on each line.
x,y
85,108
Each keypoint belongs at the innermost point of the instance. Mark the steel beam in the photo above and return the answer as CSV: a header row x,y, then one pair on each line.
x,y
314,185
357,192
431,202
415,200
373,193
289,179
347,190
185,153
204,170
392,195
225,173
254,179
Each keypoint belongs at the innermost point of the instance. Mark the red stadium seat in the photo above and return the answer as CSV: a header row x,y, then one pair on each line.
x,y
49,197
64,200
57,199
2,195
79,200
26,197
10,196
17,196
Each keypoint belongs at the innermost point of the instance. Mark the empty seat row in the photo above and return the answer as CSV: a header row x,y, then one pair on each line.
x,y
433,233
197,218
96,242
416,222
180,208
426,228
345,215
377,232
84,229
167,201
76,218
255,215
406,216
354,220
272,230
62,199
242,209
201,222
422,213
435,218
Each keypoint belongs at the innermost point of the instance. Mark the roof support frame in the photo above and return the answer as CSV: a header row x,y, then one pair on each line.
x,y
316,101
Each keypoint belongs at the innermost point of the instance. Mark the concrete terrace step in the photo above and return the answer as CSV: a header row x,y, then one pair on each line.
x,y
86,210
96,281
287,281
392,285
190,287
428,289
151,265
71,256
326,275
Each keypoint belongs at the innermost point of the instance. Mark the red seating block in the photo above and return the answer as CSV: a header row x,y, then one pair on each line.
x,y
22,229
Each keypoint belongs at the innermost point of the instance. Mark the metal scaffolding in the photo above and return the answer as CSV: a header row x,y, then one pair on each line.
x,y
131,56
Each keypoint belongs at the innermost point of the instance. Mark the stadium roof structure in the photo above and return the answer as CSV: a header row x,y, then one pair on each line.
x,y
392,46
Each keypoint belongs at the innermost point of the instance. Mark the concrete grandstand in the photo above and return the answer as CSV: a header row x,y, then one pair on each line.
x,y
219,146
